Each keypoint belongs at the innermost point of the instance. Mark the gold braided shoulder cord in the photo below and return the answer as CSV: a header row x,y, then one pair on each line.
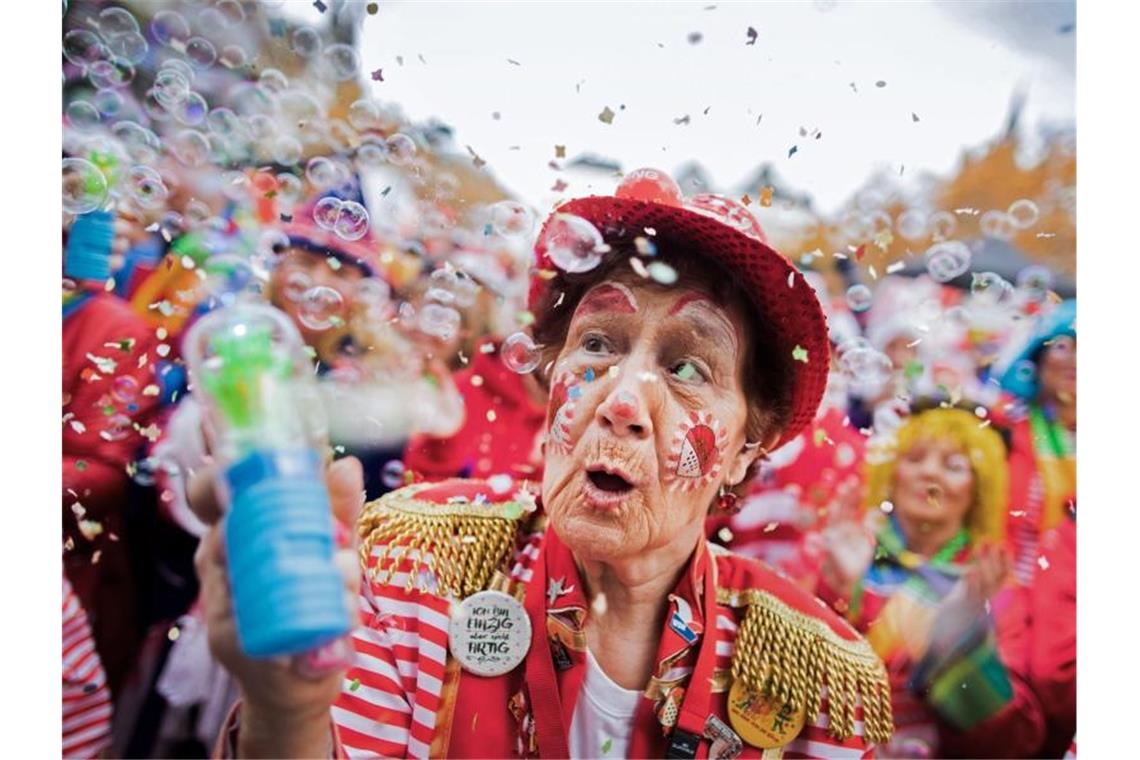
x,y
461,544
787,655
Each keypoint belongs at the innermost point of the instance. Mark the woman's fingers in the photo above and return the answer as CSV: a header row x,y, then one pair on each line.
x,y
202,496
345,479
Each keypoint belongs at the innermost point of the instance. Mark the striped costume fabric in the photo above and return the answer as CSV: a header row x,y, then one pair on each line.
x,y
86,698
392,693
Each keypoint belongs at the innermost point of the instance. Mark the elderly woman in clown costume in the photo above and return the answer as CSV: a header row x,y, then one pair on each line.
x,y
679,348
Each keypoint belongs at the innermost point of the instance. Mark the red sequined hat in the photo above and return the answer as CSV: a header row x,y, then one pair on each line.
x,y
727,233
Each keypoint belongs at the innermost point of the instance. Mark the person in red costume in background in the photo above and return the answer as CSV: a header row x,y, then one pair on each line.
x,y
504,402
1043,454
929,591
109,397
1053,647
787,504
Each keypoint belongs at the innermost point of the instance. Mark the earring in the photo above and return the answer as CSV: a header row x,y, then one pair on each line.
x,y
727,501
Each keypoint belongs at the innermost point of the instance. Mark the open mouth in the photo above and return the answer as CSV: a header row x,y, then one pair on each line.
x,y
606,489
609,482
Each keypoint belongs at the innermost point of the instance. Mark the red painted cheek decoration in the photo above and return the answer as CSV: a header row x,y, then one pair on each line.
x,y
694,460
559,436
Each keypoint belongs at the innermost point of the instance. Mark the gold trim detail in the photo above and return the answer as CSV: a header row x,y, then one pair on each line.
x,y
461,544
790,656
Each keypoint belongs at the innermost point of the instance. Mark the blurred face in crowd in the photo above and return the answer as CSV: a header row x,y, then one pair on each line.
x,y
934,485
900,352
296,273
646,417
1057,370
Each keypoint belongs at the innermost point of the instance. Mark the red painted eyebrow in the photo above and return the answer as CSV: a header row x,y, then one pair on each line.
x,y
686,300
605,298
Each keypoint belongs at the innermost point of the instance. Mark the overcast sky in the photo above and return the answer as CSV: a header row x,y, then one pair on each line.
x,y
814,65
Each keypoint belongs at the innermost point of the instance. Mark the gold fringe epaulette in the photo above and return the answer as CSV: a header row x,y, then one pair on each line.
x,y
462,544
787,655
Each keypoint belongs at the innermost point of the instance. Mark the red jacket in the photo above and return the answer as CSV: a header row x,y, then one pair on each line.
x,y
1053,643
487,444
109,398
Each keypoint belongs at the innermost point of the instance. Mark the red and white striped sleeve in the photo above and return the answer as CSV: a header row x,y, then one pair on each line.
x,y
392,690
86,698
815,742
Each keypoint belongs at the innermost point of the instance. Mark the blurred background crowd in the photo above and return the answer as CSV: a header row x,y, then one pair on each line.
x,y
225,150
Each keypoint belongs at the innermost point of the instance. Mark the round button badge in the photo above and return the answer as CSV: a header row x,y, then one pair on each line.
x,y
489,633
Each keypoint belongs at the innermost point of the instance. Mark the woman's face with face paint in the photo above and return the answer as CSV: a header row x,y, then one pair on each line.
x,y
646,418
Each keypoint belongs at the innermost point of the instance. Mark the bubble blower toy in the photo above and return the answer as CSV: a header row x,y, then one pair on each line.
x,y
267,430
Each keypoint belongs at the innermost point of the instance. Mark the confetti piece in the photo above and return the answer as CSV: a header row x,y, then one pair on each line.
x,y
354,685
320,6
771,527
639,267
724,534
613,371
378,75
1043,563
792,151
898,266
372,8
560,151
681,120
606,116
559,186
90,529
173,633
752,35
800,354
766,196
913,116
695,38
746,200
880,84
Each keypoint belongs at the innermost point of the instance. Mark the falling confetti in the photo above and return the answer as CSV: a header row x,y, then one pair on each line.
x,y
378,75
606,116
792,151
800,354
766,196
695,38
560,151
752,35
320,6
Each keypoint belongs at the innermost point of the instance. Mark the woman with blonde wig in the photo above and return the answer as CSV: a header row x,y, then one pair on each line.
x,y
924,577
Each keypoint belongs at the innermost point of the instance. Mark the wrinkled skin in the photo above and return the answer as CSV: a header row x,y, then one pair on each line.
x,y
669,363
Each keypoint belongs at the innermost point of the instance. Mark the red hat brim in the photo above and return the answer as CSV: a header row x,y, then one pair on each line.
x,y
783,299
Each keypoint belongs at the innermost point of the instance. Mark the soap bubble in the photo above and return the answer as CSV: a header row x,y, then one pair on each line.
x,y
232,57
373,292
911,224
116,428
371,153
947,260
364,114
190,147
192,111
572,243
287,151
511,219
168,26
352,222
296,285
322,172
115,72
649,185
82,47
201,52
146,187
1024,213
113,22
108,102
84,186
439,321
321,307
273,81
306,42
519,353
392,474
327,211
211,22
124,389
341,62
401,149
990,288
997,224
130,47
859,298
942,225
82,115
